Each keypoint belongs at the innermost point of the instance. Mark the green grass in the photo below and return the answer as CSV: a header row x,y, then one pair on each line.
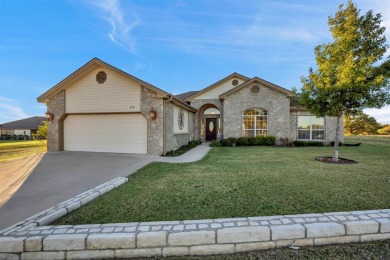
x,y
10,150
249,181
369,250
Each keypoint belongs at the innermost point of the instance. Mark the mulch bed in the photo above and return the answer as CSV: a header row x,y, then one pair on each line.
x,y
328,159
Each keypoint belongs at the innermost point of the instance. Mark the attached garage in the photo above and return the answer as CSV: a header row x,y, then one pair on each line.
x,y
112,133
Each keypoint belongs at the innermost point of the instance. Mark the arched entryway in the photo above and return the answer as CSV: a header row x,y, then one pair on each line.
x,y
210,122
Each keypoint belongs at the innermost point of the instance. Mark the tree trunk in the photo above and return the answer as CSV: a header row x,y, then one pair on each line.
x,y
336,141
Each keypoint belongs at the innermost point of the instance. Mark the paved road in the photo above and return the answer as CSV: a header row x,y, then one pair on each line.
x,y
62,175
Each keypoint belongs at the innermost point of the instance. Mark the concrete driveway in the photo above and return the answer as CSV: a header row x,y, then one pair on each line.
x,y
62,175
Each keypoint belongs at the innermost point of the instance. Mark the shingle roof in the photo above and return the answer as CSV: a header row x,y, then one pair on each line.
x,y
185,95
27,123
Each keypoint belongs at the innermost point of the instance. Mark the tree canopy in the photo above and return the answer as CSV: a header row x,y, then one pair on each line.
x,y
348,77
361,124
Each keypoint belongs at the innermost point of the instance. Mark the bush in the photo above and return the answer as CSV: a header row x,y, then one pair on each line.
x,y
269,140
242,141
232,140
215,143
265,140
226,142
260,140
251,141
307,143
332,143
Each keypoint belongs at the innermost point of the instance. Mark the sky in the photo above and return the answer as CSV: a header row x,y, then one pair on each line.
x,y
176,45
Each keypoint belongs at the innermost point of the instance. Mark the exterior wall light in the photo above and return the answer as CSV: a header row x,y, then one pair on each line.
x,y
153,114
49,116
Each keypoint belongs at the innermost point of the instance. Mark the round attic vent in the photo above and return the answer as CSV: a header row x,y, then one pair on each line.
x,y
255,90
235,82
101,77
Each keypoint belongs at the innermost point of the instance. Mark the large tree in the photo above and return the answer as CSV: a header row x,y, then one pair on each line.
x,y
348,78
361,124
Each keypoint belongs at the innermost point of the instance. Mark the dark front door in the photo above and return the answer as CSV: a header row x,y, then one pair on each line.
x,y
211,129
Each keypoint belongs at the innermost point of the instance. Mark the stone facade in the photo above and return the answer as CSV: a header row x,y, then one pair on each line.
x,y
155,128
55,128
330,127
177,140
198,104
276,104
281,122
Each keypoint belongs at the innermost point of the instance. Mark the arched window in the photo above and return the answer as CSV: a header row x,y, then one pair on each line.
x,y
255,122
211,111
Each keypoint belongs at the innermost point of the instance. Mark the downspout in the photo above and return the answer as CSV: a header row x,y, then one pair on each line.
x,y
165,123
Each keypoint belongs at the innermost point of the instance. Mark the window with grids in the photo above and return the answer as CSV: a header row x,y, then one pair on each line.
x,y
311,128
255,122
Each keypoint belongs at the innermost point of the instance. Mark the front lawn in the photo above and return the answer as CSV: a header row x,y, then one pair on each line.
x,y
249,181
10,150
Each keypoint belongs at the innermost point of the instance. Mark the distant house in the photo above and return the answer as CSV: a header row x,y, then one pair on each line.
x,y
21,129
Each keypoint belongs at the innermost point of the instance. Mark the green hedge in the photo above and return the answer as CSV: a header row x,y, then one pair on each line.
x,y
215,143
245,141
307,143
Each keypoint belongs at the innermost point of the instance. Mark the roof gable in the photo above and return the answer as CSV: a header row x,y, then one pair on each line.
x,y
260,81
84,70
217,84
95,63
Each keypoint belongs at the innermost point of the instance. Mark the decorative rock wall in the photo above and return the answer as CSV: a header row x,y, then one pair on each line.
x,y
149,100
194,237
55,128
276,104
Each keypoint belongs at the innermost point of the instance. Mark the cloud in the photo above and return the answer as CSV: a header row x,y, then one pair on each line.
x,y
381,115
121,27
10,111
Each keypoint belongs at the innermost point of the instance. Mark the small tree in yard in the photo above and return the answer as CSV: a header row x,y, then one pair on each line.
x,y
41,132
347,79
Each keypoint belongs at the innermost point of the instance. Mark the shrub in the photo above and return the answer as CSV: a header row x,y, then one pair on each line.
x,y
251,141
332,143
232,140
226,142
260,140
269,140
215,143
299,143
242,141
307,143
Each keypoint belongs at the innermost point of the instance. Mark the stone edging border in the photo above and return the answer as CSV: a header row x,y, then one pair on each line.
x,y
32,239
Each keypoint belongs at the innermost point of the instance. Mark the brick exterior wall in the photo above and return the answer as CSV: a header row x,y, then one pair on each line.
x,y
276,104
155,128
55,128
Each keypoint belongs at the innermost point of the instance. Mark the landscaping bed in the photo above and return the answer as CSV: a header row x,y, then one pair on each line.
x,y
183,149
248,181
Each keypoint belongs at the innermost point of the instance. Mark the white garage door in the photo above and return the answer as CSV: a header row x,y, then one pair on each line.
x,y
106,133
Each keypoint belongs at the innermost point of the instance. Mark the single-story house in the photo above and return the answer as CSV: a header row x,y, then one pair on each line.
x,y
100,108
21,129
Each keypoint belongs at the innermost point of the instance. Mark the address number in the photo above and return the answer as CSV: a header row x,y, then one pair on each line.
x,y
132,107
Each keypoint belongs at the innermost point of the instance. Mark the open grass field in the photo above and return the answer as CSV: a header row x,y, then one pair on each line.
x,y
249,181
10,150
